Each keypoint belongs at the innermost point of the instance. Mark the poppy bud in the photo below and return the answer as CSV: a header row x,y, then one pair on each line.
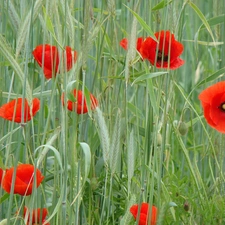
x,y
186,206
182,128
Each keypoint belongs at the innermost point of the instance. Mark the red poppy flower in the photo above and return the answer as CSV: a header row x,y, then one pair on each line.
x,y
213,103
79,104
144,213
124,43
13,110
47,56
24,179
38,216
165,53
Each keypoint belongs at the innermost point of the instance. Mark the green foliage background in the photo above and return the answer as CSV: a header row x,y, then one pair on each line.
x,y
147,141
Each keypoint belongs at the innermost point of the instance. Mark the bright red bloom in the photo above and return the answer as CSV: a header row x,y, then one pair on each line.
x,y
124,43
13,110
165,53
79,104
47,56
38,216
213,103
144,213
24,179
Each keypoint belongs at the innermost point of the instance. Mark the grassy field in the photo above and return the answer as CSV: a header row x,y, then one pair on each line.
x,y
144,138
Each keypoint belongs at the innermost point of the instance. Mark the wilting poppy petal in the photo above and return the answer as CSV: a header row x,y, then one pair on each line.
x,y
124,43
163,54
14,110
79,104
38,216
24,179
144,213
213,103
47,56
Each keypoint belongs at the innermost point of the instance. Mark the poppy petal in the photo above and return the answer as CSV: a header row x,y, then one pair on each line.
x,y
71,57
139,43
178,62
79,104
14,110
213,103
124,43
134,210
142,219
35,106
47,57
163,54
207,95
144,212
38,215
24,179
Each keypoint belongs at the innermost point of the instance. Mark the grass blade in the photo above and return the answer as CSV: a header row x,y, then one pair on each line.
x,y
202,17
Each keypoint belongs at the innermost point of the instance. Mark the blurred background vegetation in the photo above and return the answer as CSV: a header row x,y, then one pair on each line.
x,y
147,141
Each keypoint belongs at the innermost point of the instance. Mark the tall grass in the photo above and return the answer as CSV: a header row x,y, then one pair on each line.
x,y
146,142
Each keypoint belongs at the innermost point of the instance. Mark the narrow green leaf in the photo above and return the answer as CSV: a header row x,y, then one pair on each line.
x,y
148,76
202,17
48,146
135,110
212,77
9,134
4,197
161,5
87,158
214,21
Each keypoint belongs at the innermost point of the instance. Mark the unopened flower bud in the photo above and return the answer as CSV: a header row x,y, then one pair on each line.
x,y
186,206
182,128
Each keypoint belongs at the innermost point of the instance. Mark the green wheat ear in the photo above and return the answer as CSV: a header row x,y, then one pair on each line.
x,y
130,159
103,134
24,28
8,53
115,149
